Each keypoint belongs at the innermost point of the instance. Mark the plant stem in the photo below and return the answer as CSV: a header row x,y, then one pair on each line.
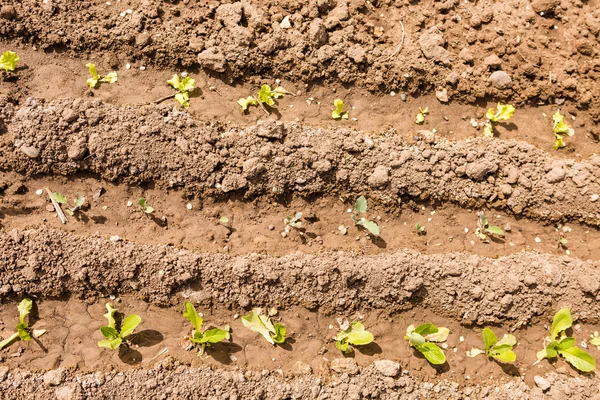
x,y
8,341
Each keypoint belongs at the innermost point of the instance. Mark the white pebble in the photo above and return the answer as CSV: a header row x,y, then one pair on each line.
x,y
39,192
538,240
392,93
142,68
115,238
189,206
129,203
128,66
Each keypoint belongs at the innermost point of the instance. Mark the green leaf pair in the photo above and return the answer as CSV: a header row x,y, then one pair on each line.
x,y
210,336
22,328
96,79
484,226
420,119
561,128
564,346
503,112
59,198
184,87
257,322
144,206
422,338
266,95
9,60
355,335
115,338
361,207
500,350
339,110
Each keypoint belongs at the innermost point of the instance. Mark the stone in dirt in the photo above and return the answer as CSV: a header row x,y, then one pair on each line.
x,y
432,45
379,177
388,367
344,366
317,33
500,80
54,377
270,129
442,95
480,169
542,383
212,59
544,6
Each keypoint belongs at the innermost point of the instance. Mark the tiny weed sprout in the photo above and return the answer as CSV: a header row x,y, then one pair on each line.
x,y
484,227
422,338
503,112
144,206
184,87
563,242
360,207
8,61
266,95
561,128
293,222
23,332
223,220
354,335
96,79
420,229
115,338
258,322
595,340
209,337
561,344
59,198
501,350
339,110
420,119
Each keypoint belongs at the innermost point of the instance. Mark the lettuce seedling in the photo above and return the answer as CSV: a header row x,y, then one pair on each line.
x,y
114,338
266,95
23,332
500,350
209,337
355,335
420,119
258,322
339,110
9,60
561,128
561,344
59,198
183,87
292,222
360,207
422,338
144,206
96,79
503,112
247,102
484,227
420,229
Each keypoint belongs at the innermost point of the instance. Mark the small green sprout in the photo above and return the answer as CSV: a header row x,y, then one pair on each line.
x,y
561,128
96,79
114,338
209,337
360,207
354,335
420,119
183,87
500,350
258,322
223,220
422,338
292,222
339,110
59,198
503,112
144,206
247,102
563,242
484,227
420,229
595,340
266,95
23,332
561,344
9,60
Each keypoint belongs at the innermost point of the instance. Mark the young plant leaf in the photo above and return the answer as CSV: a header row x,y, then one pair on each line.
x,y
423,329
355,334
195,318
280,332
111,77
371,226
59,198
112,344
578,358
338,112
247,102
183,87
108,332
496,230
489,338
214,335
93,81
361,205
560,126
561,322
129,325
488,129
24,308
440,336
559,143
420,118
183,98
9,60
110,316
265,95
503,112
432,353
259,323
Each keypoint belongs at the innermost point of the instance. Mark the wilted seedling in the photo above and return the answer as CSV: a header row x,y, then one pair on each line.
x,y
266,95
184,87
561,128
360,207
292,222
23,332
484,227
115,338
258,322
500,350
561,344
420,229
96,79
354,335
144,206
503,112
339,110
8,61
209,337
421,115
422,338
59,198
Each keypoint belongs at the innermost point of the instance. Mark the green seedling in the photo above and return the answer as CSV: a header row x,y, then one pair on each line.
x,y
224,220
595,340
209,337
96,79
115,338
292,222
484,227
420,119
184,87
339,110
354,335
561,344
59,198
563,242
503,112
360,207
23,332
258,322
8,61
266,95
561,128
501,350
420,229
144,206
423,339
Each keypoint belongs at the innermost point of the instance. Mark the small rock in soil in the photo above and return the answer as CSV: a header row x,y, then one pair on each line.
x,y
66,392
480,169
542,383
500,80
379,177
212,59
269,129
30,151
442,95
388,367
492,62
317,32
54,377
432,43
544,6
301,368
3,373
594,198
344,366
69,115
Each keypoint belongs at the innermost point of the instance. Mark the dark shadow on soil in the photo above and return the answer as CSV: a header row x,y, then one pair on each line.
x,y
129,356
508,369
287,345
370,349
146,338
221,352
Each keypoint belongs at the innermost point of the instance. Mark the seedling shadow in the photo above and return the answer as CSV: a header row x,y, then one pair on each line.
x,y
370,349
379,242
129,356
287,345
221,352
497,239
146,338
508,369
509,126
99,219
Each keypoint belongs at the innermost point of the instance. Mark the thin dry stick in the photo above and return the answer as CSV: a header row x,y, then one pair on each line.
x,y
399,46
56,205
262,106
163,99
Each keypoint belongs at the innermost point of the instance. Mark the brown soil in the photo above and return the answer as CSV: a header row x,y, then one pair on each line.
x,y
385,59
